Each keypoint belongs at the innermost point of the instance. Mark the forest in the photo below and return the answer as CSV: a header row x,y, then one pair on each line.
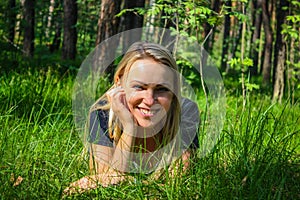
x,y
253,44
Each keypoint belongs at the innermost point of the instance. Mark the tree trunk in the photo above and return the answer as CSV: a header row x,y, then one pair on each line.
x,y
238,30
133,20
70,33
290,69
50,18
226,37
108,25
28,43
57,38
266,67
57,24
12,14
279,53
257,21
216,5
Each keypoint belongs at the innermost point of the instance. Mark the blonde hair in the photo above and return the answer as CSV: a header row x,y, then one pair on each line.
x,y
137,51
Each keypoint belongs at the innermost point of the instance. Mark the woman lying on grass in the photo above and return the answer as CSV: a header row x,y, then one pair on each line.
x,y
141,124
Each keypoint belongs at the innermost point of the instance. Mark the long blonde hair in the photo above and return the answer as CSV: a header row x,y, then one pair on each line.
x,y
143,50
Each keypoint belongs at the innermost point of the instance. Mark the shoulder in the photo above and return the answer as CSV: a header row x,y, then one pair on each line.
x,y
98,126
190,115
189,106
97,109
99,115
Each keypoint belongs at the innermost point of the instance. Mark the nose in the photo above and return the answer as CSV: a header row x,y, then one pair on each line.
x,y
149,97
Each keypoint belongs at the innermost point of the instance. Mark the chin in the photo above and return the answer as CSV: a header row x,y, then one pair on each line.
x,y
157,123
146,124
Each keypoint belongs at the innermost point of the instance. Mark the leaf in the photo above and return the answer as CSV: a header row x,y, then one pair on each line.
x,y
248,62
17,181
234,61
251,86
124,11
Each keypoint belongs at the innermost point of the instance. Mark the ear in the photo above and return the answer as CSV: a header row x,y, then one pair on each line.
x,y
118,81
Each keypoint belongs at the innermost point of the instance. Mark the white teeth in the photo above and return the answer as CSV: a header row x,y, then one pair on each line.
x,y
146,112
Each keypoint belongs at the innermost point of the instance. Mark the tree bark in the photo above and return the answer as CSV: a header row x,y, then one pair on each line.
x,y
237,27
266,67
57,25
133,20
28,42
257,21
279,54
108,25
70,33
226,37
50,18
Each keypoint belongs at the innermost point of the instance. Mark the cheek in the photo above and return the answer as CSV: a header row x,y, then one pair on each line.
x,y
166,101
132,97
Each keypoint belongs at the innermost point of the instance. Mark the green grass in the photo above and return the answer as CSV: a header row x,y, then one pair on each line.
x,y
256,157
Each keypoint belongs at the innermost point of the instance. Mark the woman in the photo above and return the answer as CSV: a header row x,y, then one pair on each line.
x,y
141,124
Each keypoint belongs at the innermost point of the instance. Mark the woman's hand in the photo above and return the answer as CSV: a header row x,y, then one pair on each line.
x,y
117,100
92,182
82,185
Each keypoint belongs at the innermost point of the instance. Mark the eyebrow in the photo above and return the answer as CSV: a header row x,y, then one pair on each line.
x,y
146,84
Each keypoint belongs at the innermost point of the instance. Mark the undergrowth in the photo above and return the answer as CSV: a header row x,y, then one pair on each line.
x,y
256,157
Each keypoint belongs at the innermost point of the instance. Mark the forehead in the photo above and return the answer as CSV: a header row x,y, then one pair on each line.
x,y
150,71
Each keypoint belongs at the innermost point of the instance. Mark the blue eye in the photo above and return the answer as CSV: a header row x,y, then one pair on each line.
x,y
137,87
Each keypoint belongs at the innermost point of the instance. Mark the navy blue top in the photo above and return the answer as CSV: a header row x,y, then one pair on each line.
x,y
99,125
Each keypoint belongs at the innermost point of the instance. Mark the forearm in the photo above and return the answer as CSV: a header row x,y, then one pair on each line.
x,y
181,165
122,156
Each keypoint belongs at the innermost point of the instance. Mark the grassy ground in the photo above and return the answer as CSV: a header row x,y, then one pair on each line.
x,y
256,157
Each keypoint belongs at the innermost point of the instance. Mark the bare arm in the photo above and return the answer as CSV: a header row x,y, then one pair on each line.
x,y
101,171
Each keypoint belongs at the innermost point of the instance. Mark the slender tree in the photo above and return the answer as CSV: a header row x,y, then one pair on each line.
x,y
108,25
215,6
257,22
28,42
266,65
50,18
237,28
57,26
133,20
70,33
292,38
279,52
226,37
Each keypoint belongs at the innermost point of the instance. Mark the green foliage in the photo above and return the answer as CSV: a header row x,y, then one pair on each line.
x,y
290,29
187,18
88,14
257,155
237,64
247,62
189,72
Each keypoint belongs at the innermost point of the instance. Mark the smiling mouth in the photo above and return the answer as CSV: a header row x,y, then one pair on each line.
x,y
147,113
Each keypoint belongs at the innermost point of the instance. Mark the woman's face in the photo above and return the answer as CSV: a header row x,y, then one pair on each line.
x,y
149,88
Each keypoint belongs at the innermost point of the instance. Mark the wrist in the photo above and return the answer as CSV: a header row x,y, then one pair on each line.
x,y
129,130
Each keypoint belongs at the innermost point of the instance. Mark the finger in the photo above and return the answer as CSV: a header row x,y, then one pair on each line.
x,y
115,95
114,91
82,185
117,99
